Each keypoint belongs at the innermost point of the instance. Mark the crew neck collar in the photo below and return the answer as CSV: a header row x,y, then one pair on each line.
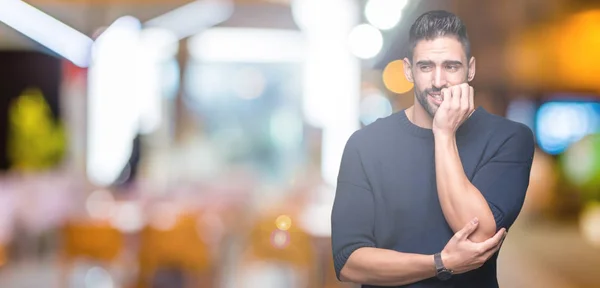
x,y
419,131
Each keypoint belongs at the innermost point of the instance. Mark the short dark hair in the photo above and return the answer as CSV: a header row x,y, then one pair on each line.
x,y
438,23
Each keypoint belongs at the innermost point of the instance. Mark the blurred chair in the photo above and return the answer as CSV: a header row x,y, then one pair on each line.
x,y
3,255
282,253
177,253
90,240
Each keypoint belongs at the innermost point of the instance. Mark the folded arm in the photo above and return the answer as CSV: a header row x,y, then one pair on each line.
x,y
498,189
459,198
381,267
356,258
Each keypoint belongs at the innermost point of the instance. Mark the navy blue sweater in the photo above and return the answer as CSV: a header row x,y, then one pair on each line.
x,y
386,195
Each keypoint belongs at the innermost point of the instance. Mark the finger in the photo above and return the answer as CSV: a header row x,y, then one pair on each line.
x,y
496,248
466,231
492,242
465,98
446,96
471,98
456,95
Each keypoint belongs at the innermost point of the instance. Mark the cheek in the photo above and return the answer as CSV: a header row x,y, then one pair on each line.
x,y
456,78
421,82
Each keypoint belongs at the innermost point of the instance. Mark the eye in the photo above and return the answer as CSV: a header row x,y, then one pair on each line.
x,y
426,68
452,68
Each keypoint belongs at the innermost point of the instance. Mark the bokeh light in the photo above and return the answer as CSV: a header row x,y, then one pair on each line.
x,y
285,128
280,239
559,124
100,205
581,163
164,216
394,79
283,222
590,223
374,106
384,14
249,83
577,55
128,217
365,41
98,277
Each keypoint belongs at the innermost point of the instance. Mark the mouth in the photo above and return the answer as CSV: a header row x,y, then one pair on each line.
x,y
436,98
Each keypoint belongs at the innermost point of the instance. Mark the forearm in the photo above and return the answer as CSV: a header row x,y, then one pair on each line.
x,y
382,267
460,200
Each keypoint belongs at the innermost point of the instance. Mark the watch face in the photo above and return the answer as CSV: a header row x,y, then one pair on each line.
x,y
444,275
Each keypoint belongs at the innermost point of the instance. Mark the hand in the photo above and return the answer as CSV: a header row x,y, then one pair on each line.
x,y
463,255
457,105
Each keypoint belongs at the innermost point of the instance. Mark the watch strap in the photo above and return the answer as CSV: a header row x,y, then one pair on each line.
x,y
439,264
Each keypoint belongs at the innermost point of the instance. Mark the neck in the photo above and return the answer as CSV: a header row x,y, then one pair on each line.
x,y
418,116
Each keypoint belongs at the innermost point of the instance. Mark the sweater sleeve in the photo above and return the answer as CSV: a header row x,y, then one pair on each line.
x,y
353,210
504,179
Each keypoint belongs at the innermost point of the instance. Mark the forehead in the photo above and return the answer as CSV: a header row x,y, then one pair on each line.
x,y
439,49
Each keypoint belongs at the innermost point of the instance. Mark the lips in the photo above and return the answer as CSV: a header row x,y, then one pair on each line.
x,y
436,98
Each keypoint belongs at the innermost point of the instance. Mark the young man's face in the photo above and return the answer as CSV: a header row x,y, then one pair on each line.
x,y
437,64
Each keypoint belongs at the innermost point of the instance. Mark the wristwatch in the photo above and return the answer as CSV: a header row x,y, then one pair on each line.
x,y
442,272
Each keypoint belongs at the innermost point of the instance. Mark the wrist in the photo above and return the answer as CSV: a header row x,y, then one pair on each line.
x,y
445,141
447,260
444,135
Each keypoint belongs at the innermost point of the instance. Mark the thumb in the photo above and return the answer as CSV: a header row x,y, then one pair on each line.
x,y
468,229
446,94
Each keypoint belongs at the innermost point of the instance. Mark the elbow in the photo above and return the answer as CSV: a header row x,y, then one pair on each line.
x,y
347,275
353,270
352,275
348,263
482,234
486,229
344,276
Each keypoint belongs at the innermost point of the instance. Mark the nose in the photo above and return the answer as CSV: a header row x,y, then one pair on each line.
x,y
439,78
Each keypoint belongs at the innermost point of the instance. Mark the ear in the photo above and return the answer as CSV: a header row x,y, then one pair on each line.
x,y
471,69
408,70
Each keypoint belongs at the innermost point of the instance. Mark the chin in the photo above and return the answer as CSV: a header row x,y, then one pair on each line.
x,y
431,112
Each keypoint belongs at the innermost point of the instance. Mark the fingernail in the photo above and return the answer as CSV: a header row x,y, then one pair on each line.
x,y
475,221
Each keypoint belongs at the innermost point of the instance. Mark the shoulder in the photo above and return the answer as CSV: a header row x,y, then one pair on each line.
x,y
375,134
508,129
509,135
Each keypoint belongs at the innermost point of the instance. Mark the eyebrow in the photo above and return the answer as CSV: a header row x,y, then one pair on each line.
x,y
453,62
447,62
424,62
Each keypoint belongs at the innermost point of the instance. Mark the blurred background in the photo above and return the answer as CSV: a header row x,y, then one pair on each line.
x,y
155,143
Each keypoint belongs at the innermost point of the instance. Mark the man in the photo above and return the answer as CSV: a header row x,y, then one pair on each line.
x,y
424,196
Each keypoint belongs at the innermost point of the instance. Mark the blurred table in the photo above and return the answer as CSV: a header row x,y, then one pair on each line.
x,y
549,255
